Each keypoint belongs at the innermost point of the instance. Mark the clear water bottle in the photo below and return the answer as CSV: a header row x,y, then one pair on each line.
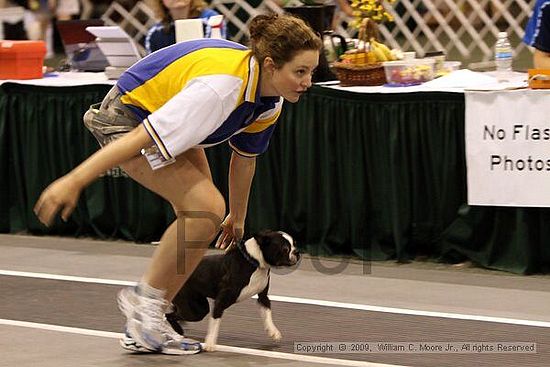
x,y
503,56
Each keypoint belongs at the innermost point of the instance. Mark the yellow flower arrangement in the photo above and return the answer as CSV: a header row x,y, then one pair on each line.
x,y
371,9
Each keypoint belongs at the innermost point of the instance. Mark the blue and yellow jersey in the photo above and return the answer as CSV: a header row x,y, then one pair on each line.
x,y
201,93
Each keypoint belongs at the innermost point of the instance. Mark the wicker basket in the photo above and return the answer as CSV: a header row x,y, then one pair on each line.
x,y
359,74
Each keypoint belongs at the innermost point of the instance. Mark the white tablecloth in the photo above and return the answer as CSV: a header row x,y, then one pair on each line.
x,y
456,82
68,79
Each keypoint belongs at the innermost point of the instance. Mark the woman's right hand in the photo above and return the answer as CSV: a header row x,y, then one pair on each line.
x,y
231,233
62,194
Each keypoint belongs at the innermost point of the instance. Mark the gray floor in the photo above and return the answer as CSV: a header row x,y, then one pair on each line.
x,y
390,303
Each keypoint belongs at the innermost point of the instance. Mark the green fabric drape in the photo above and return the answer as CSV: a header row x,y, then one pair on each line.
x,y
379,176
502,238
46,140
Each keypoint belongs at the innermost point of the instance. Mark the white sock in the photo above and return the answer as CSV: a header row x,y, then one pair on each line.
x,y
146,290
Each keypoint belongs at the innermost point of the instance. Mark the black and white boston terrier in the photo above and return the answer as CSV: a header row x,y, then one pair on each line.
x,y
240,273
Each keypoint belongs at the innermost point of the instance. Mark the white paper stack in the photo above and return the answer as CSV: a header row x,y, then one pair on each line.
x,y
117,46
188,29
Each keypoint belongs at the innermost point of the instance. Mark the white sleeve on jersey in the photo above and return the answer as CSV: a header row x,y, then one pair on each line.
x,y
194,113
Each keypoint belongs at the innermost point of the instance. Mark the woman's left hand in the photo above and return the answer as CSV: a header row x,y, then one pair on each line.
x,y
231,233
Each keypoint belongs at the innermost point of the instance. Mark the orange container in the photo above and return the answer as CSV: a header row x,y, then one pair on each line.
x,y
21,59
539,78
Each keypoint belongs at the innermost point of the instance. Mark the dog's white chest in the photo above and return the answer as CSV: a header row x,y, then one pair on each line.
x,y
258,281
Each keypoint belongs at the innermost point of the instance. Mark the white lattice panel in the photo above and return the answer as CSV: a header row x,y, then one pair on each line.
x,y
464,29
238,13
136,22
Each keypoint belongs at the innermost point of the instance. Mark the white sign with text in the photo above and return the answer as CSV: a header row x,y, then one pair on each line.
x,y
508,148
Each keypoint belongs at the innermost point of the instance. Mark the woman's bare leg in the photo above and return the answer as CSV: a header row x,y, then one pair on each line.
x,y
187,185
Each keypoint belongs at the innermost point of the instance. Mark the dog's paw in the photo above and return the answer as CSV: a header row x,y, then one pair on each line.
x,y
274,334
209,347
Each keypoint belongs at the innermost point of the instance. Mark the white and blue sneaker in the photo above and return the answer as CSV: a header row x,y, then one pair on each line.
x,y
179,346
147,329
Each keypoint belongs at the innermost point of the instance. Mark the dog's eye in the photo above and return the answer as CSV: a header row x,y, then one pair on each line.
x,y
286,250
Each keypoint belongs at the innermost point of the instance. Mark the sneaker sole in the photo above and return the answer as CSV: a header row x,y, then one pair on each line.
x,y
190,352
134,347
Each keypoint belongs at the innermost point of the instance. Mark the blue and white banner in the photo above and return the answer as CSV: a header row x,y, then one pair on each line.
x,y
508,148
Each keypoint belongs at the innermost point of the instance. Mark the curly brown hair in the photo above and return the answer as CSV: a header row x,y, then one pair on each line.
x,y
281,37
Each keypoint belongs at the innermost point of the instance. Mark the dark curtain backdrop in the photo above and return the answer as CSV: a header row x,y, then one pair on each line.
x,y
378,176
46,138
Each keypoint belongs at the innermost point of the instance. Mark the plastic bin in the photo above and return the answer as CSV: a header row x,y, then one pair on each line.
x,y
409,72
22,59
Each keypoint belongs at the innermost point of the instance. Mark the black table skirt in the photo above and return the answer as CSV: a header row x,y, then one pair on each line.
x,y
377,176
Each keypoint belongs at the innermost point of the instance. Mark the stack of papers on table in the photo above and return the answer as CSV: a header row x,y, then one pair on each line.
x,y
117,46
472,80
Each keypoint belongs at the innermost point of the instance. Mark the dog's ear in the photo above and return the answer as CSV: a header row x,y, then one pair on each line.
x,y
264,237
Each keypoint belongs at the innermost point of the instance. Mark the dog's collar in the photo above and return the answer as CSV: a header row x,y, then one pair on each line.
x,y
246,255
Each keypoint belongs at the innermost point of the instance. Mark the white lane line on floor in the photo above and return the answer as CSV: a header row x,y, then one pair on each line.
x,y
316,302
68,278
221,348
63,329
405,311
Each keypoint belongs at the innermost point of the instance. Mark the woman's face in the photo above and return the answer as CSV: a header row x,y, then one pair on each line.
x,y
174,4
293,78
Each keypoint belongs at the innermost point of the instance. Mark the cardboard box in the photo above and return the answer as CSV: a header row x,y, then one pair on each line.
x,y
21,59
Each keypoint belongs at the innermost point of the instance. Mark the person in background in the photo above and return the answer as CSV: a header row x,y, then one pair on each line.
x,y
41,29
342,11
67,9
13,30
163,33
64,10
537,34
155,124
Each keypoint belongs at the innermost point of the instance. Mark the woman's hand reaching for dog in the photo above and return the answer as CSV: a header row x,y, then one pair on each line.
x,y
231,233
62,195
241,172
